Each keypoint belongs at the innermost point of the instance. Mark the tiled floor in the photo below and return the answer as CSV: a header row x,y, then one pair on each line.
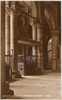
x,y
44,87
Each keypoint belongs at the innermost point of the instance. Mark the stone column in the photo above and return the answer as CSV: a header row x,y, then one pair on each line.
x,y
34,48
4,84
38,32
7,33
13,55
42,57
38,48
34,33
41,51
54,51
7,49
34,26
12,37
40,16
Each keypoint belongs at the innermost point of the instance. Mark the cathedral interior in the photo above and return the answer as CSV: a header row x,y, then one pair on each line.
x,y
30,40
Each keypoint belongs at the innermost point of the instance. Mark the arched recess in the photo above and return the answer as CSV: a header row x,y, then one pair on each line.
x,y
46,36
54,32
51,25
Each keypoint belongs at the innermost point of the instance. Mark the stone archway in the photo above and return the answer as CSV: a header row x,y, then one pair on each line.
x,y
54,31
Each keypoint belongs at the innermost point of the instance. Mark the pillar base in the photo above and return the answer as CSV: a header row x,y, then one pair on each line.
x,y
7,91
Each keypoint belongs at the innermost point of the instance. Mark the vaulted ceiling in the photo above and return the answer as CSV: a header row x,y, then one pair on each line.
x,y
50,14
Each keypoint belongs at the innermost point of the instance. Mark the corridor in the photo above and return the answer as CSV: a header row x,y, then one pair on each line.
x,y
30,44
45,87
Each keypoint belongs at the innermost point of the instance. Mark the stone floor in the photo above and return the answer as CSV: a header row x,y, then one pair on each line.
x,y
44,87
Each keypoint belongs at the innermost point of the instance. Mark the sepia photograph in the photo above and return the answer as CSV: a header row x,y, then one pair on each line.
x,y
30,50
